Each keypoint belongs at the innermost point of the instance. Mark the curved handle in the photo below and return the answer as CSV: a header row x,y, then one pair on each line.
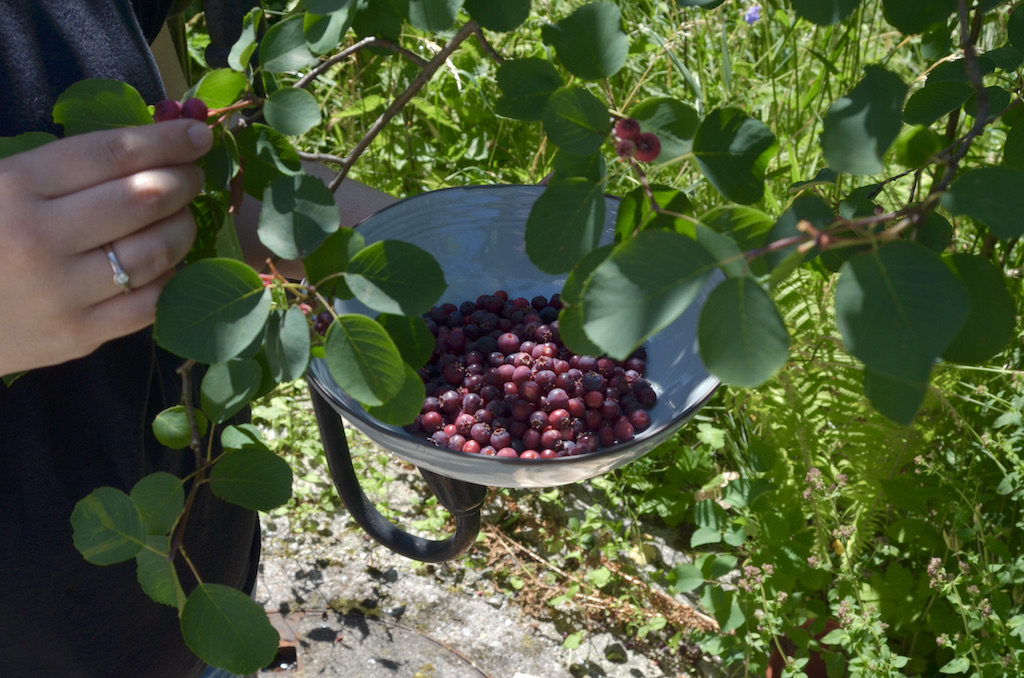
x,y
462,499
224,25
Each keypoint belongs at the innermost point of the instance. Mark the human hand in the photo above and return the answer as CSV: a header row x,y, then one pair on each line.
x,y
128,188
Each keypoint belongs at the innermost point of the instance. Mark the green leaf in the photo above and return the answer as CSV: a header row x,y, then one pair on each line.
x,y
221,87
228,386
157,575
284,47
433,16
917,16
860,126
99,104
1015,28
998,100
733,151
287,344
160,498
256,479
526,85
599,577
297,216
644,285
705,535
363,360
23,142
742,337
565,222
332,258
674,122
992,318
242,51
267,155
242,437
566,166
570,318
499,16
576,121
212,310
1013,147
917,146
825,12
590,42
723,605
221,163
805,207
403,408
636,213
411,335
688,577
957,665
291,111
393,276
227,629
898,308
108,527
328,6
744,228
172,429
992,196
324,30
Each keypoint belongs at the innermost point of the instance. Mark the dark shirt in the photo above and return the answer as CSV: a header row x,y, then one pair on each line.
x,y
68,429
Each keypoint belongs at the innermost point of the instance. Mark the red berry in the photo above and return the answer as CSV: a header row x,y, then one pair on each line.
x,y
168,109
648,147
195,109
625,149
628,129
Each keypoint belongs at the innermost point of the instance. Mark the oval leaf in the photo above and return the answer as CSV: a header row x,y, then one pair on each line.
x,y
411,335
392,276
898,308
576,121
825,12
860,126
292,111
331,259
254,478
403,408
992,196
733,151
590,42
228,386
157,575
284,47
221,87
172,429
287,344
228,629
98,104
499,16
433,16
159,497
643,285
526,85
934,100
674,122
297,216
742,337
993,315
108,527
267,154
363,359
565,223
212,310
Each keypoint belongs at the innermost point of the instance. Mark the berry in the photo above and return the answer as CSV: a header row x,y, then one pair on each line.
x,y
625,149
195,109
627,129
168,109
648,147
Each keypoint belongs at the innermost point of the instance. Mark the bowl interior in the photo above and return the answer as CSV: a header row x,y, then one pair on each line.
x,y
477,236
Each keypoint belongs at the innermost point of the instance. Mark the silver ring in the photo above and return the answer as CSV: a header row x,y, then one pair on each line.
x,y
120,277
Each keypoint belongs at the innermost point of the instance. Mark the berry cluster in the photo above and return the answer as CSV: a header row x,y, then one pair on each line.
x,y
501,383
634,143
171,109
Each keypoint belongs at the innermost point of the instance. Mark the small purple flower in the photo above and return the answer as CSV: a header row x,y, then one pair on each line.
x,y
753,14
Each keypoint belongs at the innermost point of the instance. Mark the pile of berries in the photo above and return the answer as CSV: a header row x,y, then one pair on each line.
x,y
501,383
171,109
634,143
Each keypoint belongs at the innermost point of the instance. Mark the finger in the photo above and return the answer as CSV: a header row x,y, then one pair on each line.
x,y
123,314
145,256
113,210
86,160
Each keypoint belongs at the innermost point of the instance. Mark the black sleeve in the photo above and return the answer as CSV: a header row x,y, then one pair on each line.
x,y
151,15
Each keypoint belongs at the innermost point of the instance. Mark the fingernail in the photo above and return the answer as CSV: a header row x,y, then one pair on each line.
x,y
200,135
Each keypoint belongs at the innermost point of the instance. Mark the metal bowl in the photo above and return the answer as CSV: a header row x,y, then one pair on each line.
x,y
477,236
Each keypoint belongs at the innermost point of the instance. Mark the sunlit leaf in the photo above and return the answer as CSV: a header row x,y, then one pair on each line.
x,y
99,104
159,498
590,42
674,122
108,527
221,87
23,142
243,49
172,429
291,111
287,344
226,628
576,121
284,47
393,276
364,360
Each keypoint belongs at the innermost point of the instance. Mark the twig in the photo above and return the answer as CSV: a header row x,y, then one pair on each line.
x,y
417,84
487,47
365,43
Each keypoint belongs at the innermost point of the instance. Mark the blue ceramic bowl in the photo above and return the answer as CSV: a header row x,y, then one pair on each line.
x,y
477,236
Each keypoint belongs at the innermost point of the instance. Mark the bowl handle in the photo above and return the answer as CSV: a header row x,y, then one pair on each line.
x,y
463,500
